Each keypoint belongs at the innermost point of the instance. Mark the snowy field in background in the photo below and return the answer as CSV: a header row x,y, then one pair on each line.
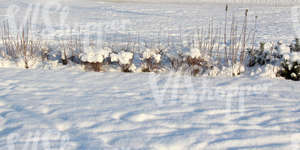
x,y
117,111
151,19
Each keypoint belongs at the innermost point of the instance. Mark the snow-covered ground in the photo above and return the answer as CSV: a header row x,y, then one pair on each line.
x,y
89,111
62,107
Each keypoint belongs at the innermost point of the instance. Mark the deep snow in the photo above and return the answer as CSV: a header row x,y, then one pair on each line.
x,y
87,111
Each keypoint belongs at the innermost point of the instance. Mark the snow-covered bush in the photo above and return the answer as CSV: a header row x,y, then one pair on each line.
x,y
192,61
266,54
196,63
93,59
151,60
290,67
124,59
290,61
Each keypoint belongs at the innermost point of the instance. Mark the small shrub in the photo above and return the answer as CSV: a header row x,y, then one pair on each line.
x,y
191,62
124,60
151,60
93,60
197,65
259,57
290,70
263,55
290,61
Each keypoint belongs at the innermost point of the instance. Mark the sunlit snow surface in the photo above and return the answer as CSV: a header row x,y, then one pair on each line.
x,y
95,111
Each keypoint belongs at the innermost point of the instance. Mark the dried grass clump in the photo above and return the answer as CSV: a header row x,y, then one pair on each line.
x,y
123,59
197,66
20,45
